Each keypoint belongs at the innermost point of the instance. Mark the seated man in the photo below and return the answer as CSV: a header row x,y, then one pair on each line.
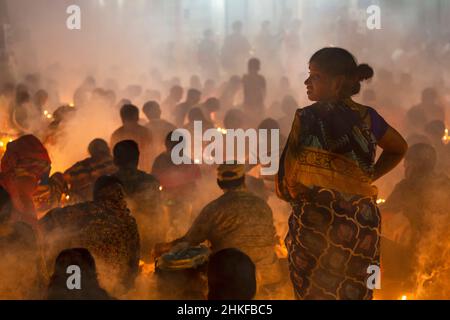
x,y
231,276
159,127
143,195
238,219
105,227
132,130
83,174
179,188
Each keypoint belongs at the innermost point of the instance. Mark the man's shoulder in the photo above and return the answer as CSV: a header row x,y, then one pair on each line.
x,y
142,129
79,166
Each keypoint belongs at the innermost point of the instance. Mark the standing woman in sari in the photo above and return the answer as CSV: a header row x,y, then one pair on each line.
x,y
326,172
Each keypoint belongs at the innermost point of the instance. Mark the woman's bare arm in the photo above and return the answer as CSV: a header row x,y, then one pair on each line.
x,y
394,149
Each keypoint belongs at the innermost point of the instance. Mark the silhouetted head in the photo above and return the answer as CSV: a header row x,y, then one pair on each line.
x,y
123,102
126,154
22,96
152,110
76,263
194,96
231,276
231,176
212,105
269,124
169,144
129,114
176,92
80,257
335,75
254,65
99,149
196,114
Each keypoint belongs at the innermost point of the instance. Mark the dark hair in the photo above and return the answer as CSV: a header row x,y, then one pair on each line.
x,y
230,184
130,113
231,276
22,96
176,90
40,97
340,62
90,288
152,110
429,94
126,154
196,114
212,105
98,148
5,206
122,103
169,144
254,63
234,119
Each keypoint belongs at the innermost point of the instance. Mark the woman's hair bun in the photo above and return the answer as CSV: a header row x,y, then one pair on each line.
x,y
364,72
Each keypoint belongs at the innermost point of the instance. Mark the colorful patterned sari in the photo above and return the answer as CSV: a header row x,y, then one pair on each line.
x,y
325,173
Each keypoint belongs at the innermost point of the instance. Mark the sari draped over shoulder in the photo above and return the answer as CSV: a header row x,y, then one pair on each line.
x,y
326,174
